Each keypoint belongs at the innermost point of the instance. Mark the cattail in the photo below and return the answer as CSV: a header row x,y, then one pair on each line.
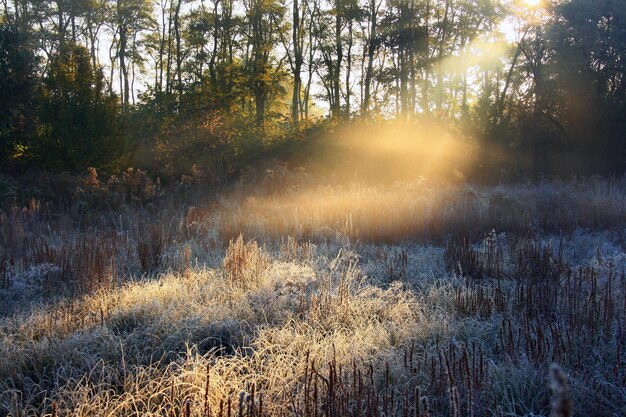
x,y
187,260
251,399
207,407
561,401
455,402
242,399
426,406
187,408
416,399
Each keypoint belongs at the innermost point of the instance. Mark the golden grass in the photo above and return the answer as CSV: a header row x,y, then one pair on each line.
x,y
309,311
418,210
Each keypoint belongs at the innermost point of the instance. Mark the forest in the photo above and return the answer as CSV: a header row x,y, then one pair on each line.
x,y
111,84
323,208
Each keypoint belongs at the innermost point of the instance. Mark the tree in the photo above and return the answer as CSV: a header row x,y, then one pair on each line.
x,y
405,37
80,125
18,85
295,54
264,24
329,28
371,45
96,15
589,43
131,17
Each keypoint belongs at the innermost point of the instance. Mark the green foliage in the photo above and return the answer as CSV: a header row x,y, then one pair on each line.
x,y
213,146
80,124
18,83
8,190
590,42
224,77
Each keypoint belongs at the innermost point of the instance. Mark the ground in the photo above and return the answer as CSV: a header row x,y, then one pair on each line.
x,y
295,298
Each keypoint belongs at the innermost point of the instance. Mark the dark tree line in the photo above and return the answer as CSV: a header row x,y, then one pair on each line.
x,y
87,82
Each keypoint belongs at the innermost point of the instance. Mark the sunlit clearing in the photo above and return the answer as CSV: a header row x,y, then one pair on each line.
x,y
390,152
382,182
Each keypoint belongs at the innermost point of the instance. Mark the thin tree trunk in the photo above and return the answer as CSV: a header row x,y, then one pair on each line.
x,y
61,31
179,76
122,56
168,70
259,64
336,105
426,65
441,47
92,40
162,45
371,49
312,48
349,68
216,20
402,61
112,58
297,52
412,74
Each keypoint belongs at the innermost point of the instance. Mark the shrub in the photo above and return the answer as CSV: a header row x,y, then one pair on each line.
x,y
244,262
80,125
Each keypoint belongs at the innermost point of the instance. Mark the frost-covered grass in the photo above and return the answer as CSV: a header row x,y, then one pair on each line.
x,y
336,301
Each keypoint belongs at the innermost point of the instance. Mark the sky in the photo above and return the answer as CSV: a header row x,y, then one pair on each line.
x,y
508,28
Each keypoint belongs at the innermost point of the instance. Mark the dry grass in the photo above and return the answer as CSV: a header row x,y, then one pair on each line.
x,y
419,210
296,304
244,262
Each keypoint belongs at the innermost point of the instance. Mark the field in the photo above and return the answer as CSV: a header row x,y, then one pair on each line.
x,y
297,297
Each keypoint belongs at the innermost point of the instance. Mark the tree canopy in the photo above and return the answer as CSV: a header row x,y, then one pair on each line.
x,y
103,82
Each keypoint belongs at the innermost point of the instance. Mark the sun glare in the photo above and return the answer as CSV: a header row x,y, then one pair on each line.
x,y
532,3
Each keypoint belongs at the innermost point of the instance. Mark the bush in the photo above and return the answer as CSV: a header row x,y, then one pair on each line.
x,y
18,83
80,123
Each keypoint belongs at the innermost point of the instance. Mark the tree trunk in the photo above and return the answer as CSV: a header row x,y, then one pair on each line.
x,y
179,70
298,58
92,40
216,20
411,57
124,69
441,47
507,83
371,49
403,60
349,68
312,49
122,55
426,65
168,68
162,46
336,87
61,24
258,68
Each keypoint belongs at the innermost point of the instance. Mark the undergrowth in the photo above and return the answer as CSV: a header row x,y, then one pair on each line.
x,y
310,300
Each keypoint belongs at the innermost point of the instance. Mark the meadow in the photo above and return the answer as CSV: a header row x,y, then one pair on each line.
x,y
293,296
312,208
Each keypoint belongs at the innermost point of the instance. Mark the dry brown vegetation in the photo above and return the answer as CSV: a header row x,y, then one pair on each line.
x,y
304,299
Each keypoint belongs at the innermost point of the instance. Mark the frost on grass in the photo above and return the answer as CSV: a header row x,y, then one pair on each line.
x,y
411,302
